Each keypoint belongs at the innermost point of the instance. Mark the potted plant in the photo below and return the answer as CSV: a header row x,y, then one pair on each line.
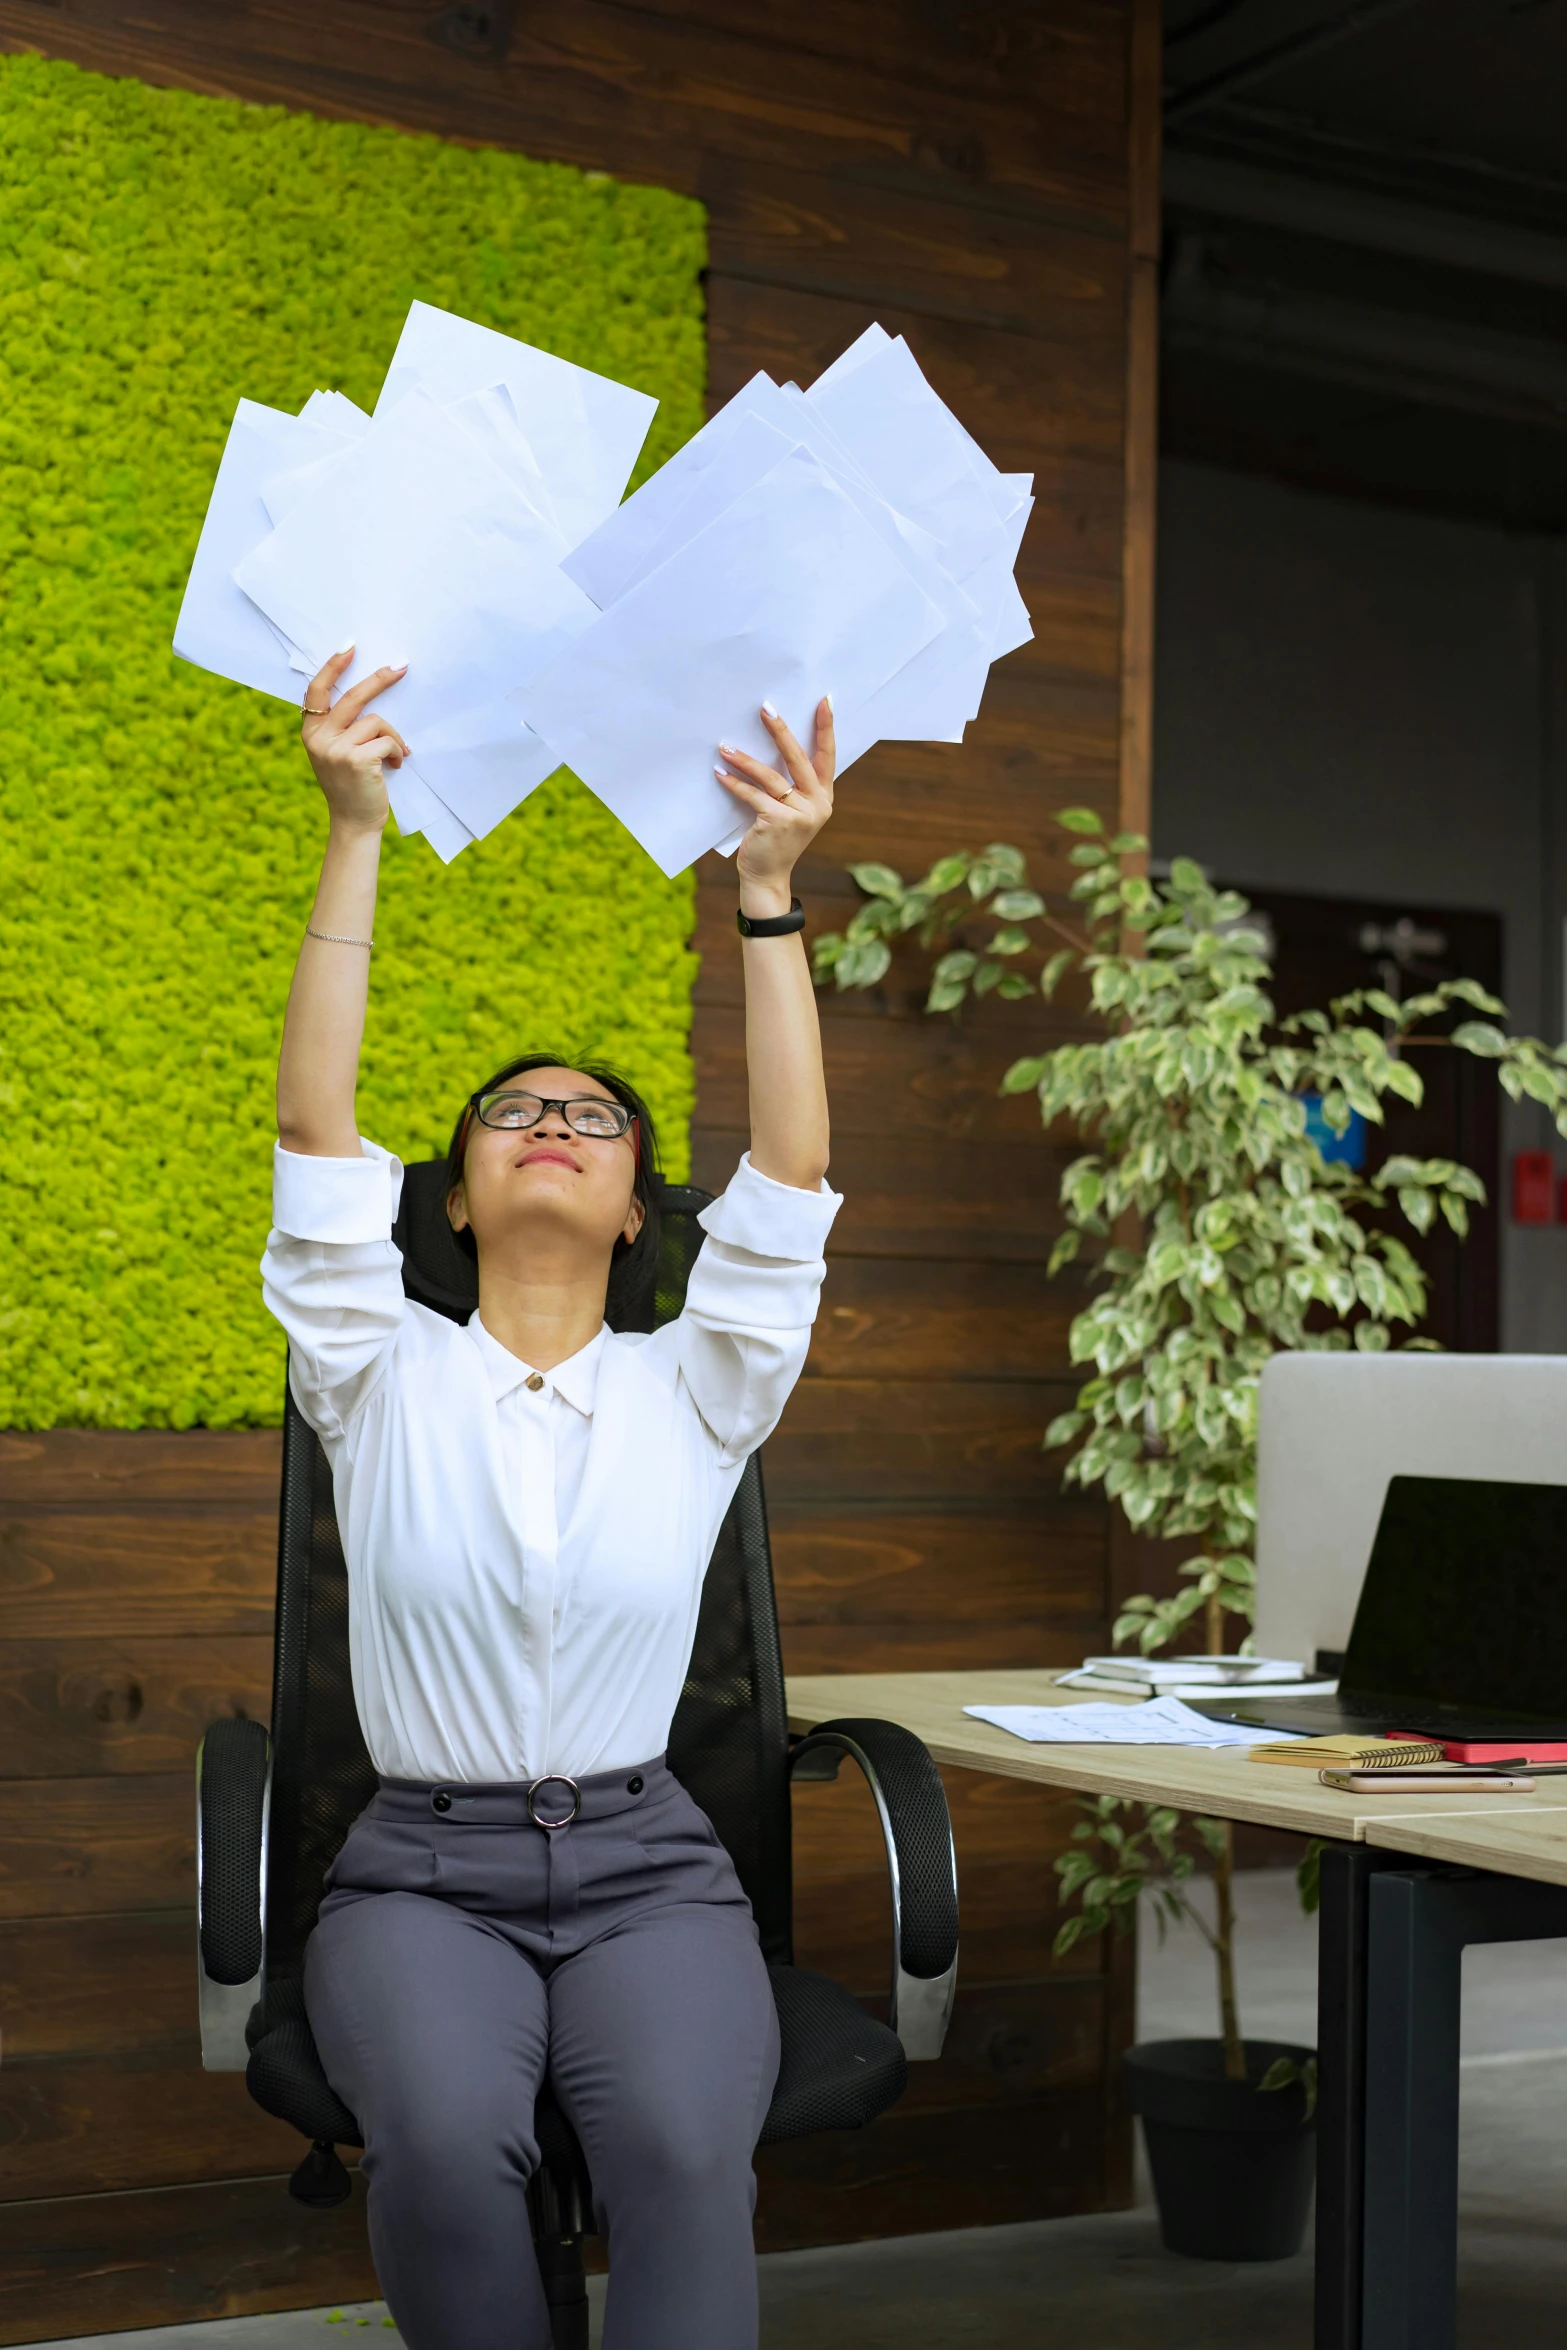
x,y
1218,1235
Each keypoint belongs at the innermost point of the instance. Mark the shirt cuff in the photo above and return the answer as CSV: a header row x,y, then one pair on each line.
x,y
336,1200
770,1219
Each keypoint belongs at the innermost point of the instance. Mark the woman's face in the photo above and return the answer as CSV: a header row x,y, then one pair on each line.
x,y
547,1181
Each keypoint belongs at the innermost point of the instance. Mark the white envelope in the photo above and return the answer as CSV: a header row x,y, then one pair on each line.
x,y
584,430
787,594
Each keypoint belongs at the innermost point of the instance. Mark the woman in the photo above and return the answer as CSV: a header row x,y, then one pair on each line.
x,y
527,1506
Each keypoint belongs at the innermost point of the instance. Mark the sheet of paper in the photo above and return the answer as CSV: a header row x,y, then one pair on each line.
x,y
484,764
305,456
914,450
416,549
932,697
603,563
584,429
752,450
786,595
491,416
1161,1721
219,628
419,809
865,346
337,410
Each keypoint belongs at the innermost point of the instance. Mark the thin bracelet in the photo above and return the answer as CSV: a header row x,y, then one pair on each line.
x,y
335,939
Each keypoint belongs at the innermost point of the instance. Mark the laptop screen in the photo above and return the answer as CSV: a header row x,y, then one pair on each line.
x,y
1465,1598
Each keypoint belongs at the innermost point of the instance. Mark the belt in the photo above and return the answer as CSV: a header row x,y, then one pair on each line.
x,y
551,1802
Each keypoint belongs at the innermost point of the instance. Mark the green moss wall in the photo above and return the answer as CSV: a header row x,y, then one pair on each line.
x,y
160,255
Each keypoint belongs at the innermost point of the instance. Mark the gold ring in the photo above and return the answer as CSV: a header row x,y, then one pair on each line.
x,y
307,712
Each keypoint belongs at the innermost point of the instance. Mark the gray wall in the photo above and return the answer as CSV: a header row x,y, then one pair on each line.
x,y
1363,703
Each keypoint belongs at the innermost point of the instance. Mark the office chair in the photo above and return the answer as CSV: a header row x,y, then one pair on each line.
x,y
272,1812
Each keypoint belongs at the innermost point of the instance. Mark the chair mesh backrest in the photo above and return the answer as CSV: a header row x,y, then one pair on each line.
x,y
729,1740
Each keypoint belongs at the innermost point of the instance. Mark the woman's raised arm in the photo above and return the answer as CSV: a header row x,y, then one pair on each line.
x,y
783,1042
318,1066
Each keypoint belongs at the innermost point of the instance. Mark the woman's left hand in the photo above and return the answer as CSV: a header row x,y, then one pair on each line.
x,y
790,808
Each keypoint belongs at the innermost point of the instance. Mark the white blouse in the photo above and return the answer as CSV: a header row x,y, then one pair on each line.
x,y
526,1550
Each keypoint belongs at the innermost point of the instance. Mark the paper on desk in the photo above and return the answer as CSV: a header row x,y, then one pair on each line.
x,y
585,430
1162,1721
415,548
787,594
219,628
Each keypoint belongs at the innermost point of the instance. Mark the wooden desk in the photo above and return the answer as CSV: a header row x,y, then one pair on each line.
x,y
1407,1882
1220,1782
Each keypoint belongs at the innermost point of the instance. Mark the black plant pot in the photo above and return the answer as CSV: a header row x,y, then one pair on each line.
x,y
1233,2165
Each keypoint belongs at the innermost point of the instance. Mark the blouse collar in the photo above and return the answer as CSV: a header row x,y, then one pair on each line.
x,y
576,1378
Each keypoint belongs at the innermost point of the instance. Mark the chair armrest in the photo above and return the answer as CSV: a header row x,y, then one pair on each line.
x,y
917,1828
233,1796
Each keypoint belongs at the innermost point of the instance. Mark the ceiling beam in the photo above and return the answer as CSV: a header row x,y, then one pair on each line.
x,y
1398,355
1361,218
1243,72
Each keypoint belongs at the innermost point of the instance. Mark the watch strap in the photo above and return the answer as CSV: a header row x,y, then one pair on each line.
x,y
771,925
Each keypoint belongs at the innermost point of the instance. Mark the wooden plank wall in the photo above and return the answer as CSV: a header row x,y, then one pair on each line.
x,y
983,177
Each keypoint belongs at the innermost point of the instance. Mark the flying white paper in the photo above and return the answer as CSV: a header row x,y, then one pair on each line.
x,y
415,548
913,448
935,694
584,430
789,593
852,537
219,628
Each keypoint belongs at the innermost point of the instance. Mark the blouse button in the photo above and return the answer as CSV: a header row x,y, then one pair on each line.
x,y
533,1382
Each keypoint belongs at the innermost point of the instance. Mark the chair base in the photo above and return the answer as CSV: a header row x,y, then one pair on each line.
x,y
321,2179
565,2289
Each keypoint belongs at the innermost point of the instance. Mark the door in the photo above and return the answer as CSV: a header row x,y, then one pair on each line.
x,y
1326,947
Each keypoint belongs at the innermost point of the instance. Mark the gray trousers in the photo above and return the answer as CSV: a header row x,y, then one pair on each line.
x,y
463,1953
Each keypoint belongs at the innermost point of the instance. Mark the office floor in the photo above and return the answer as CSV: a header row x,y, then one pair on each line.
x,y
1107,2280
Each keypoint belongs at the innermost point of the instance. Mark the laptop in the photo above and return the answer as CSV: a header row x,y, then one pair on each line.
x,y
1461,1630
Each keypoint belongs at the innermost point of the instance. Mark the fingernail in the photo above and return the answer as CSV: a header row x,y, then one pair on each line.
x,y
827,698
768,711
397,665
728,750
341,650
719,772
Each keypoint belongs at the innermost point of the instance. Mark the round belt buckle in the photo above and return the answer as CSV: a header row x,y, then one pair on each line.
x,y
553,1779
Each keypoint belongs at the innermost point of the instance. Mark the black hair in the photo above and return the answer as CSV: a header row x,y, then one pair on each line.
x,y
632,1264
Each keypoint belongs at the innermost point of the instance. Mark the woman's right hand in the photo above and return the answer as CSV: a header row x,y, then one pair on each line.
x,y
347,743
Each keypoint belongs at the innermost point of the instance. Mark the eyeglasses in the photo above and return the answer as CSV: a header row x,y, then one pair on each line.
x,y
587,1114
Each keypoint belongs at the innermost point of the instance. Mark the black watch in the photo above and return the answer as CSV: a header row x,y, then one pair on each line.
x,y
771,925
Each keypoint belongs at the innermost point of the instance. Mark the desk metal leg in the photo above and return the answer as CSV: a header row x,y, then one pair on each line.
x,y
1419,1923
1343,1933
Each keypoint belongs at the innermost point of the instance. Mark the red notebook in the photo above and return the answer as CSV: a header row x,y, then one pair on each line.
x,y
1495,1750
